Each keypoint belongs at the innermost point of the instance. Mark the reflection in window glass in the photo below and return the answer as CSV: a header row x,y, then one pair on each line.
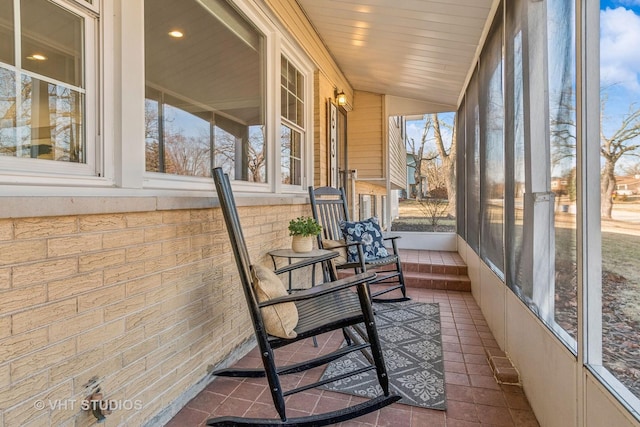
x,y
620,193
50,50
7,43
291,158
562,133
204,101
42,102
515,149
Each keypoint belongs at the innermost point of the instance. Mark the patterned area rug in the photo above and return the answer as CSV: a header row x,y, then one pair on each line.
x,y
410,337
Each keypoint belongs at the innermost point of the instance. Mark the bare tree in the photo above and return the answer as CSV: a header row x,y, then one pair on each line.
x,y
448,158
632,169
434,209
189,155
432,169
622,142
257,161
416,151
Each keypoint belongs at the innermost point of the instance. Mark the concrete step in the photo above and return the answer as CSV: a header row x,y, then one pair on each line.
x,y
434,270
450,282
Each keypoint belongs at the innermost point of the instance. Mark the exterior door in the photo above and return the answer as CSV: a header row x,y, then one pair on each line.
x,y
337,147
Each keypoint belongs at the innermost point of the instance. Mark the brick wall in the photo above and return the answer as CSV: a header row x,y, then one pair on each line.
x,y
145,302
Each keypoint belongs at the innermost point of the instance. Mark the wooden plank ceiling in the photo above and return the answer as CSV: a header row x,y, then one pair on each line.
x,y
419,49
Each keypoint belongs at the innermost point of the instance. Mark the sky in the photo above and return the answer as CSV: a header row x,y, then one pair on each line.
x,y
619,62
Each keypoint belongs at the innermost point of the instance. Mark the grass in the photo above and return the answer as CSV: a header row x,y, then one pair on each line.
x,y
414,217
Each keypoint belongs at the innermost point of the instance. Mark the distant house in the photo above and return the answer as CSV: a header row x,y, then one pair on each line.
x,y
627,185
412,190
559,185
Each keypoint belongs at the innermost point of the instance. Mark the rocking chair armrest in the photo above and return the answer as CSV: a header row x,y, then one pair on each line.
x,y
394,245
306,262
352,264
325,288
348,265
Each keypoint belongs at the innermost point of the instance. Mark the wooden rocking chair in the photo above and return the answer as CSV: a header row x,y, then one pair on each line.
x,y
329,207
322,308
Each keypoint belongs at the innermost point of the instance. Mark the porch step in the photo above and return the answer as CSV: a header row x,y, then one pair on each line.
x,y
434,270
431,270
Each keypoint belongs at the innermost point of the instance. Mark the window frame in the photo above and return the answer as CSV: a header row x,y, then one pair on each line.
x,y
16,170
304,67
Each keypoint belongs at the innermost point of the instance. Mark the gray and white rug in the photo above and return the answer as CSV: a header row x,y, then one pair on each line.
x,y
412,344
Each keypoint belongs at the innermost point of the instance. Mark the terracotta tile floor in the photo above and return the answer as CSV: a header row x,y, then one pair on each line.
x,y
473,396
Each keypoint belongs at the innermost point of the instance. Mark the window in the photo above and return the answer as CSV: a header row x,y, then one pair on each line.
x,y
204,106
293,124
366,206
46,87
616,278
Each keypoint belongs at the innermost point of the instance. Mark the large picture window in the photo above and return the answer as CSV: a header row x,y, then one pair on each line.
x,y
44,64
204,106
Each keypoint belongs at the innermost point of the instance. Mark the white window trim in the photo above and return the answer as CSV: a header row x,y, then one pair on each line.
x,y
16,170
305,67
114,75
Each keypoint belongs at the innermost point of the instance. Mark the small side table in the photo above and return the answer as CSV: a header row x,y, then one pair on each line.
x,y
290,255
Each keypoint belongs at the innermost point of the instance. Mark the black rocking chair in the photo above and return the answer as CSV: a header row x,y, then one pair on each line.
x,y
323,308
329,207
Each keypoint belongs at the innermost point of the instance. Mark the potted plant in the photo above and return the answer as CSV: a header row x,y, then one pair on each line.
x,y
303,229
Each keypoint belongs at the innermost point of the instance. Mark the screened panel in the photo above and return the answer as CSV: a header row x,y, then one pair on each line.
x,y
492,160
562,132
461,175
515,146
472,163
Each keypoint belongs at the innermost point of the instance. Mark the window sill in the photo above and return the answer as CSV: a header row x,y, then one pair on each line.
x,y
143,201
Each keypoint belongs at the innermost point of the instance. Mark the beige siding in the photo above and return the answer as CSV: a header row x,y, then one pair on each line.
x,y
365,136
327,79
143,301
397,155
296,22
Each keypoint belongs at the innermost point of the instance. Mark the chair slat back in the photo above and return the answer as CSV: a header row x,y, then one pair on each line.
x,y
234,229
329,207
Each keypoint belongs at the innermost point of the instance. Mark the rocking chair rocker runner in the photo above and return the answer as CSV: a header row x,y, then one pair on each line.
x,y
329,207
322,308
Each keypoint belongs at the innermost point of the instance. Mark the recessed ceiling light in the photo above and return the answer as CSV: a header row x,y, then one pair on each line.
x,y
37,57
176,34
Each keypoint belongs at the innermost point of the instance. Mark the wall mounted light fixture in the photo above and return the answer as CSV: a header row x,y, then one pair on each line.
x,y
341,98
